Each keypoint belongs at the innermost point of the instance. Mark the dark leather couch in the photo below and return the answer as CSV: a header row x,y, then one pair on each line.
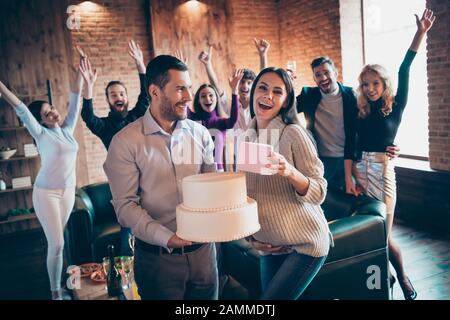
x,y
92,225
359,233
357,225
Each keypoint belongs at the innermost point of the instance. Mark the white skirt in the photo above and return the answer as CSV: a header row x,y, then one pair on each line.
x,y
375,175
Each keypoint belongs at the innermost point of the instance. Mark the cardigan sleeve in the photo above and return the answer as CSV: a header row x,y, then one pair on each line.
x,y
306,160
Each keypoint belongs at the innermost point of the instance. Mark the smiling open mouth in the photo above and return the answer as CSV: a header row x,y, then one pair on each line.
x,y
264,106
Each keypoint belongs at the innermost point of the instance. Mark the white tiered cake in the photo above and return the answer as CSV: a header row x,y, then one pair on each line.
x,y
216,208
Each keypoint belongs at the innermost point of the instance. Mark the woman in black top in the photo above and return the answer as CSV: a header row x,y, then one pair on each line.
x,y
380,114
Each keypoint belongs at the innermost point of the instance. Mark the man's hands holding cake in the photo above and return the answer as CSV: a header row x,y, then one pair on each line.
x,y
177,242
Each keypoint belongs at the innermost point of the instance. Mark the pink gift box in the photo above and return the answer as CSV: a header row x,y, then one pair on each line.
x,y
253,157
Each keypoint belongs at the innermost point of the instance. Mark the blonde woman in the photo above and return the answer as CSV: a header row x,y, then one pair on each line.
x,y
380,114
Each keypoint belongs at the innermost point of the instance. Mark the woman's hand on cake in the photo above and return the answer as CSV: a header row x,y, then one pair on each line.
x,y
177,242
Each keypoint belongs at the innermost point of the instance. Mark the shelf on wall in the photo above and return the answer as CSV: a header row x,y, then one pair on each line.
x,y
11,128
8,190
18,158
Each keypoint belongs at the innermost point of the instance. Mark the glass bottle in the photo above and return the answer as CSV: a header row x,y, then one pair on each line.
x,y
114,279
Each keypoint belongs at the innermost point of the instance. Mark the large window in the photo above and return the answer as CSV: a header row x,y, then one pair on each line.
x,y
389,27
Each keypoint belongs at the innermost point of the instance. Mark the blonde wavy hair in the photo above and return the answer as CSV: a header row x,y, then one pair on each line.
x,y
388,92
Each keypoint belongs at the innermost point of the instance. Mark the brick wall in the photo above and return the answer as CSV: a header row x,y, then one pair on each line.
x,y
438,53
309,29
251,19
297,30
105,29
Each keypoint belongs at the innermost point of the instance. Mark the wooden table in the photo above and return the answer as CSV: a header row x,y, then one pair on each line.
x,y
91,290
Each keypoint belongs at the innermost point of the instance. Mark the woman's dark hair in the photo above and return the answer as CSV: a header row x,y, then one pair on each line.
x,y
289,111
199,113
35,109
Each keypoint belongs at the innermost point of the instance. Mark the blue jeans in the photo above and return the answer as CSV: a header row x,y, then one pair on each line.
x,y
286,276
125,249
334,172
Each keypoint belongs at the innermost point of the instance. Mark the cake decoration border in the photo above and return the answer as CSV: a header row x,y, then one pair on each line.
x,y
246,234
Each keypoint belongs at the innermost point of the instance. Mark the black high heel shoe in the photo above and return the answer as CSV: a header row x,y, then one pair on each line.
x,y
392,281
407,293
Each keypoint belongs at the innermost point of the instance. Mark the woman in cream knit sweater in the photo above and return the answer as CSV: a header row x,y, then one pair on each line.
x,y
294,235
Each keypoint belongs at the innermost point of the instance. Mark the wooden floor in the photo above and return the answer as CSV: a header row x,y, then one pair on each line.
x,y
426,257
427,262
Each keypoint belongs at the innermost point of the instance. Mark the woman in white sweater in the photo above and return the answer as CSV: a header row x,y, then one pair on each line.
x,y
54,188
294,236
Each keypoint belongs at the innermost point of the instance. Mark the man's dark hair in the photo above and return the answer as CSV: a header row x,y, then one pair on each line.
x,y
112,83
289,112
157,72
322,60
248,75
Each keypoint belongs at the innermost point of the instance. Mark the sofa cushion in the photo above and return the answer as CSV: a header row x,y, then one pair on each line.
x,y
356,235
104,235
100,198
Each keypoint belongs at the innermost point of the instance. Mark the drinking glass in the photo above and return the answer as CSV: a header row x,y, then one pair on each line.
x,y
291,66
131,242
127,265
105,264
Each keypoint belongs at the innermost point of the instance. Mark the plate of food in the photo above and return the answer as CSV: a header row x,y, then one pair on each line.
x,y
88,268
98,276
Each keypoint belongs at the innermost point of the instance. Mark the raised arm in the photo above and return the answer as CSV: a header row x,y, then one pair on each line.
x,y
180,56
9,96
143,99
234,85
262,46
76,80
94,123
136,53
76,86
206,59
89,76
423,25
33,126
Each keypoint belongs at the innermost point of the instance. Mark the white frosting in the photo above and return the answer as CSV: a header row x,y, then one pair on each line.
x,y
218,226
215,208
214,190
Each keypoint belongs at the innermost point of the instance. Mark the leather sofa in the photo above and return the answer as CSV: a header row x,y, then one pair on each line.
x,y
357,225
92,225
356,267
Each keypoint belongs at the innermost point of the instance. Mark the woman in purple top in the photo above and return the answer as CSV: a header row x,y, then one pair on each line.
x,y
205,110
